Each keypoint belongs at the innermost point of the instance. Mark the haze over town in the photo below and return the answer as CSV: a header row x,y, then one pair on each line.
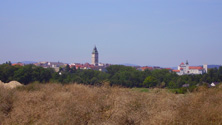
x,y
157,33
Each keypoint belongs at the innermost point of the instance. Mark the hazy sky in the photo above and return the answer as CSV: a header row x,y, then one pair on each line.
x,y
143,32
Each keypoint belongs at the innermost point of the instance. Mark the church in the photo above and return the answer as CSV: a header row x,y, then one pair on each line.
x,y
185,69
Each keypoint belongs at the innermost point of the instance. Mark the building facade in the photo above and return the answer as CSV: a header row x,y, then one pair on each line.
x,y
95,57
185,69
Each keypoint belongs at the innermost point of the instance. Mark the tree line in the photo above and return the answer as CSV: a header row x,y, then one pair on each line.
x,y
116,75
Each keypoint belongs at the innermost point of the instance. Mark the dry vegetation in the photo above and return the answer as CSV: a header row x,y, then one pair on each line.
x,y
79,104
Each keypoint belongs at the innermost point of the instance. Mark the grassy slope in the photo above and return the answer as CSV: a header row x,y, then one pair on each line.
x,y
80,104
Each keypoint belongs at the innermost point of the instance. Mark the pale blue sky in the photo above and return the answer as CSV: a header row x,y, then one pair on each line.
x,y
143,32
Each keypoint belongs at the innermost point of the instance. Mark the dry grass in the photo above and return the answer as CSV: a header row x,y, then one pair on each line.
x,y
75,104
10,85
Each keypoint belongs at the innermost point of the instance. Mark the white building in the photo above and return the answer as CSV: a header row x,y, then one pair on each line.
x,y
213,84
185,69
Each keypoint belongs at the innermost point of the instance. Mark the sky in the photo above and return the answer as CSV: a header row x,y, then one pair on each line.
x,y
143,32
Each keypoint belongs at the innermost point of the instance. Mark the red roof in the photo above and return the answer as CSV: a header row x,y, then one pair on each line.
x,y
168,68
72,65
182,63
79,66
195,67
176,70
17,64
146,67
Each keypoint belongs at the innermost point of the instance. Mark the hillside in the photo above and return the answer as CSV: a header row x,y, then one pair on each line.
x,y
81,104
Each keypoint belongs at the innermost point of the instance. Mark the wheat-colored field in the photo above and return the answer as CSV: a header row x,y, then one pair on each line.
x,y
77,104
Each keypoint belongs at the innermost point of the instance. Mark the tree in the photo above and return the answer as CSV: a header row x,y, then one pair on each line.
x,y
7,72
94,81
77,79
172,85
150,81
67,68
24,74
60,69
112,70
9,62
73,70
220,73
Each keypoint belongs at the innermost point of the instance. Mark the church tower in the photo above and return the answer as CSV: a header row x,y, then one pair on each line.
x,y
95,57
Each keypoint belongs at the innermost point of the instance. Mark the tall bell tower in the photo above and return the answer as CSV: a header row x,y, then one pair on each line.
x,y
95,57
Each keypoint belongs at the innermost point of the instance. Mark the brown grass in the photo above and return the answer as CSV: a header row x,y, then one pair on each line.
x,y
76,104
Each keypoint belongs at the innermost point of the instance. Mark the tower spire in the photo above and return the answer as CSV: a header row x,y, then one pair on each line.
x,y
95,57
187,62
94,50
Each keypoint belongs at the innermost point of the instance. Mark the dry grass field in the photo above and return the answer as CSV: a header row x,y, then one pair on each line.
x,y
74,104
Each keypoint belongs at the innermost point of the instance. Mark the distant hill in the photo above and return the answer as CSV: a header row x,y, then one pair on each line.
x,y
128,64
28,62
174,68
214,66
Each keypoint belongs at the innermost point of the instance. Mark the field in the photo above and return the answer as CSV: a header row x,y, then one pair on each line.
x,y
80,104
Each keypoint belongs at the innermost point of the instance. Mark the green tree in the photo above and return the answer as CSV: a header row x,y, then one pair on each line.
x,y
24,74
172,85
73,70
150,81
67,68
220,73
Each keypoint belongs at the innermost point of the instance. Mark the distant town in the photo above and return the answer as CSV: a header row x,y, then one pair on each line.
x,y
182,69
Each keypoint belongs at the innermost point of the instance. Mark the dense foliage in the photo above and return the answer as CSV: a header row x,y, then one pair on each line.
x,y
116,75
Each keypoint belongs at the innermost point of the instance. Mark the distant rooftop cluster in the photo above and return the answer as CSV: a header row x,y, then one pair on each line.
x,y
143,68
57,65
183,68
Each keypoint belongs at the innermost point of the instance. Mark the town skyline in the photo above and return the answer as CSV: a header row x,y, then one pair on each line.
x,y
95,62
156,33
